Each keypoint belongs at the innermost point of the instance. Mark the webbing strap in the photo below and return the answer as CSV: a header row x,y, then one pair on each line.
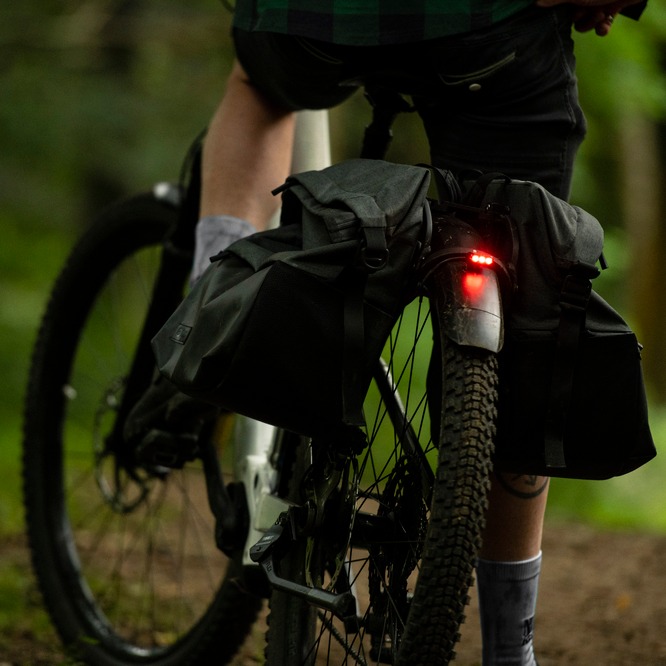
x,y
574,298
353,351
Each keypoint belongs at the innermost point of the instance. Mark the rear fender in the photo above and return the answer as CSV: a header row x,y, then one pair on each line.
x,y
471,311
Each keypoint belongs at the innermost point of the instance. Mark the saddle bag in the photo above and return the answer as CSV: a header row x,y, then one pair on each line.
x,y
286,326
572,398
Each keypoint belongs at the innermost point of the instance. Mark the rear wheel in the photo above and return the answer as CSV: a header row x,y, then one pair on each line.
x,y
403,525
124,553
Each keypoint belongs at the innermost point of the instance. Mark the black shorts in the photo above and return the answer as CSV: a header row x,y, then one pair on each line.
x,y
503,98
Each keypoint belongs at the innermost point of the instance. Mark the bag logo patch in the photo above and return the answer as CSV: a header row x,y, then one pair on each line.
x,y
181,334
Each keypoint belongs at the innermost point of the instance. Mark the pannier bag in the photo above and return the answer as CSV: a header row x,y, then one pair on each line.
x,y
287,325
572,397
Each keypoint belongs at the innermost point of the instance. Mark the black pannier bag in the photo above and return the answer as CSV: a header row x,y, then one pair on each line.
x,y
572,398
287,325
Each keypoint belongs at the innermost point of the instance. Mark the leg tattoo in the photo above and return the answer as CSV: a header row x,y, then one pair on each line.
x,y
523,486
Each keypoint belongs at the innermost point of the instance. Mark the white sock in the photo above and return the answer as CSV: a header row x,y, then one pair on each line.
x,y
507,605
215,233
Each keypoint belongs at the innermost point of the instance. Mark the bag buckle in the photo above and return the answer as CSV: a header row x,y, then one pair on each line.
x,y
374,261
373,252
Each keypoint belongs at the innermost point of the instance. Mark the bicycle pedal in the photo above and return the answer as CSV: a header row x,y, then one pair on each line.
x,y
165,449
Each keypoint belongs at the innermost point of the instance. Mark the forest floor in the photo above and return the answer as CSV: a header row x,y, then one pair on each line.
x,y
602,601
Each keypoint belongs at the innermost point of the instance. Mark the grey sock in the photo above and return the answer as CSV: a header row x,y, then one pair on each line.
x,y
507,604
215,233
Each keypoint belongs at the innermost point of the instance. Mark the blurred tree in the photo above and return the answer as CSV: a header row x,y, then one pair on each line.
x,y
101,97
624,94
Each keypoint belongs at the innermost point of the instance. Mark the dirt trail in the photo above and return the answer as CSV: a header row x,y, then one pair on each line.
x,y
602,602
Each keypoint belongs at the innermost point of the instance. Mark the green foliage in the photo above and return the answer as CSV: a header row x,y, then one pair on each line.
x,y
101,98
105,97
623,71
620,76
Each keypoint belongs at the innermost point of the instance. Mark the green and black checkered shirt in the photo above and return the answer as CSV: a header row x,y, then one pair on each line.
x,y
372,22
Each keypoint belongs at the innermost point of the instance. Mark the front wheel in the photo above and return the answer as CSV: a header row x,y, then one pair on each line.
x,y
124,553
403,525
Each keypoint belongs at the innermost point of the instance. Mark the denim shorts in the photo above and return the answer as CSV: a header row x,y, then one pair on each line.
x,y
504,98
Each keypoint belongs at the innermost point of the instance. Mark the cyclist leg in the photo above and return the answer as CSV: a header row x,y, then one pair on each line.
x,y
509,566
248,147
508,102
247,153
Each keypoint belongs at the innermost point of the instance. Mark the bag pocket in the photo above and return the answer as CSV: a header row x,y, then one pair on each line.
x,y
210,319
606,432
278,362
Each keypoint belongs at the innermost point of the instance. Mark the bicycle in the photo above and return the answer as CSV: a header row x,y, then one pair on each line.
x,y
372,554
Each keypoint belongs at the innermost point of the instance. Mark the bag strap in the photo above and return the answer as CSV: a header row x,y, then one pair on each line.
x,y
353,349
574,298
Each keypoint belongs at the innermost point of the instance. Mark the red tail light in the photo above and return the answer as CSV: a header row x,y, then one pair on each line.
x,y
481,259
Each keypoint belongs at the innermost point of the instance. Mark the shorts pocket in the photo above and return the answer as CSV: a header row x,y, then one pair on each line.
x,y
479,74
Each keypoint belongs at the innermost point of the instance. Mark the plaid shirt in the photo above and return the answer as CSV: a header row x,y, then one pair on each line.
x,y
372,22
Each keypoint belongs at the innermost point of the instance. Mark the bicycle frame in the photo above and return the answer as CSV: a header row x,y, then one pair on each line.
x,y
473,318
98,479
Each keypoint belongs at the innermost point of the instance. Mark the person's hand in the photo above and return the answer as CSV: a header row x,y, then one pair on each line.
x,y
597,15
